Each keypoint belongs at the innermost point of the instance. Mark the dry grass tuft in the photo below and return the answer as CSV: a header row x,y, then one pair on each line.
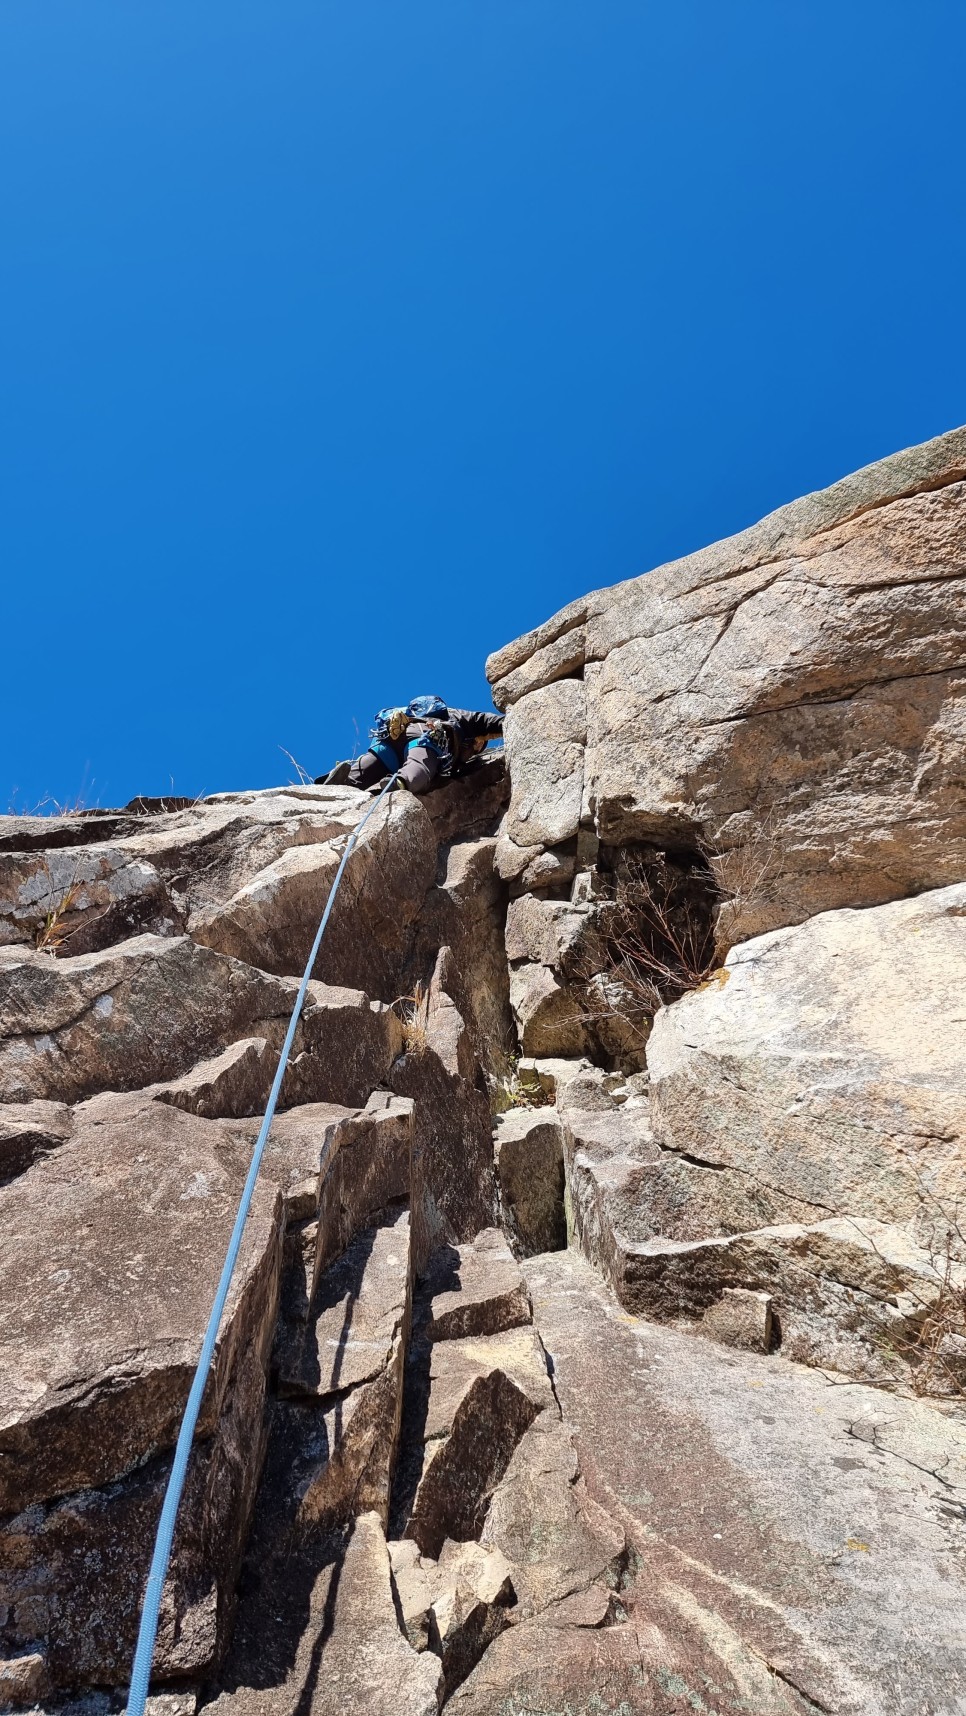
x,y
52,931
413,1010
654,940
743,874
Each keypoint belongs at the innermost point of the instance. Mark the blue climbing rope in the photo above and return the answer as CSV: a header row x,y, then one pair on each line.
x,y
147,1632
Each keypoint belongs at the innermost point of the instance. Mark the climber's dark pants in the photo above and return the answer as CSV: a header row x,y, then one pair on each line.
x,y
417,773
420,767
367,770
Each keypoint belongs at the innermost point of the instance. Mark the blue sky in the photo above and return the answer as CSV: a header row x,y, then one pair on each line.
x,y
341,342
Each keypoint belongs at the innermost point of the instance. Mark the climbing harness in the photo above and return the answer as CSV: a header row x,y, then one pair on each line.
x,y
147,1632
434,737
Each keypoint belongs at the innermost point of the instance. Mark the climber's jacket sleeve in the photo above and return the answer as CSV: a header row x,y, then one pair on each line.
x,y
476,723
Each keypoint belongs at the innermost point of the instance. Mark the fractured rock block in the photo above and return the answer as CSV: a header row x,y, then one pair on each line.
x,y
271,921
477,1289
545,736
741,1318
22,1679
529,1155
344,1047
81,898
461,1473
235,1083
453,1189
114,1247
29,1130
455,1606
827,1063
343,1653
555,1536
366,1667
483,1395
548,1013
348,1355
123,1018
366,1165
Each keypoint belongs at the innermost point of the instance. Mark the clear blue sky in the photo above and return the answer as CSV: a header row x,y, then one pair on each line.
x,y
341,342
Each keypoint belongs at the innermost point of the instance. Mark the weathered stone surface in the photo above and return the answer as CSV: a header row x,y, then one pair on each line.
x,y
572,1084
548,932
349,1356
197,853
793,696
453,1185
81,899
787,1534
555,1536
72,1573
114,1245
147,1010
271,921
455,1606
741,1318
350,1657
470,806
22,1679
464,1467
128,1016
235,1083
677,1240
29,1130
344,1046
545,737
482,1395
528,1148
563,658
525,867
465,913
473,1595
827,1063
477,1289
622,1183
366,1165
548,1014
632,1669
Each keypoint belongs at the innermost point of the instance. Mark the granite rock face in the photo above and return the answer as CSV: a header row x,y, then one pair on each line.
x,y
794,694
148,966
717,1462
828,1061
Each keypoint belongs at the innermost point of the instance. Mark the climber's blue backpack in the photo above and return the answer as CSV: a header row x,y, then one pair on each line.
x,y
428,709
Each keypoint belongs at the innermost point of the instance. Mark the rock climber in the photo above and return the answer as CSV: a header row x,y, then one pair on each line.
x,y
424,740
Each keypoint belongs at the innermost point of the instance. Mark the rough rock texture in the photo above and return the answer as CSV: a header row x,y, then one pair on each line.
x,y
97,1355
787,1534
801,684
345,1655
147,972
347,1356
828,1062
476,1289
453,1185
530,1171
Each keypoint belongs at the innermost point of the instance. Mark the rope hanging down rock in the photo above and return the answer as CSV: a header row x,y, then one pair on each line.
x,y
147,1632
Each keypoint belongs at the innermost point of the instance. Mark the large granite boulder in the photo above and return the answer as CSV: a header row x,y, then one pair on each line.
x,y
793,698
827,1062
114,1244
